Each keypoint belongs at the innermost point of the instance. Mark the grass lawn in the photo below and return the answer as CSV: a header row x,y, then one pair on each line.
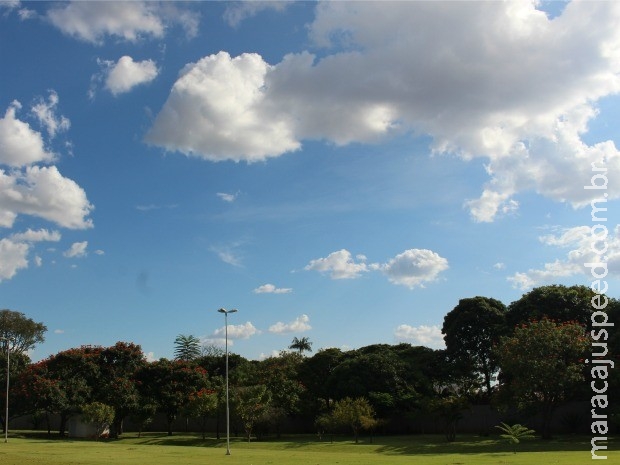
x,y
185,449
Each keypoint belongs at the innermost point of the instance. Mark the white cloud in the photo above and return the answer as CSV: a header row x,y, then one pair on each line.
x,y
59,331
12,258
497,80
227,197
217,110
244,331
340,265
45,193
415,267
19,144
27,189
77,250
273,354
36,236
429,336
126,74
236,12
228,254
45,111
411,268
14,250
581,242
299,325
271,289
92,21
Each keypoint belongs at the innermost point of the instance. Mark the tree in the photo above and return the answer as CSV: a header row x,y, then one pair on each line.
x,y
555,302
542,364
23,333
470,331
98,414
315,373
251,403
279,374
118,366
356,414
62,383
513,434
202,404
186,348
302,345
170,385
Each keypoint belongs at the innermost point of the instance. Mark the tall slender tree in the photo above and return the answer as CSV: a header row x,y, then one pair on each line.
x,y
186,348
302,345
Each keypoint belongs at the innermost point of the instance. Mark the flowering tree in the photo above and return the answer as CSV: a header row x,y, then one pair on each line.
x,y
542,363
170,385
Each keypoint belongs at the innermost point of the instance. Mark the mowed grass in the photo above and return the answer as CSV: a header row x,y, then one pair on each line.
x,y
187,449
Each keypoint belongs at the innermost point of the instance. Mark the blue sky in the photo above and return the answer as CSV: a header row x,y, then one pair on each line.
x,y
342,171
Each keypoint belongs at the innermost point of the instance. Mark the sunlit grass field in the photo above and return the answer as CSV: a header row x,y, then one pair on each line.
x,y
26,448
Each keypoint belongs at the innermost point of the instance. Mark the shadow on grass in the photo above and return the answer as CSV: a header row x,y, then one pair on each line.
x,y
434,445
390,445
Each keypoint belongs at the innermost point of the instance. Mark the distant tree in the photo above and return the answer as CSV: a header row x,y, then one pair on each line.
x,y
23,333
470,331
98,414
356,414
202,404
62,383
251,403
118,366
280,376
170,385
186,348
302,345
143,415
316,374
555,302
211,350
542,363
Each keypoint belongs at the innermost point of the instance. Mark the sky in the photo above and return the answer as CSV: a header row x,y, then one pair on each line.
x,y
341,171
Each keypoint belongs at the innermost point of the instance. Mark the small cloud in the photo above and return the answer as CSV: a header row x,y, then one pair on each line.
x,y
429,336
77,250
271,289
59,331
499,266
45,112
244,331
299,325
126,74
273,354
150,357
415,267
228,197
340,265
99,252
228,254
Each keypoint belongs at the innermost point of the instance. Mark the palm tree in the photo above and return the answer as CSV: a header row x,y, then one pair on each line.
x,y
186,348
302,345
513,434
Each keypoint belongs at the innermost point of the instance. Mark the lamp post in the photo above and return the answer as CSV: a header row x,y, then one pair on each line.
x,y
226,312
8,367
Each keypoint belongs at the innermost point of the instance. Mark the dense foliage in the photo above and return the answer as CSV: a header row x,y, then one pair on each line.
x,y
527,357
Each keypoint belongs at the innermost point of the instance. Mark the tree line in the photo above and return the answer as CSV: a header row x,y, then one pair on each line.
x,y
527,356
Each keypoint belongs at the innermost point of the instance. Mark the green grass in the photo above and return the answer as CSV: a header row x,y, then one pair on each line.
x,y
185,449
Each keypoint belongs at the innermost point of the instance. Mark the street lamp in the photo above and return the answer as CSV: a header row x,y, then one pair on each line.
x,y
8,366
226,312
